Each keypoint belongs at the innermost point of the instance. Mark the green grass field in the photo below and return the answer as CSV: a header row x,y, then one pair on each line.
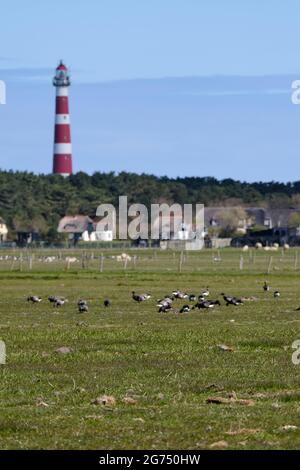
x,y
160,368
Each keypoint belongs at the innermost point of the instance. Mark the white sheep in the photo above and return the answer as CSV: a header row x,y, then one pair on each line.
x,y
71,259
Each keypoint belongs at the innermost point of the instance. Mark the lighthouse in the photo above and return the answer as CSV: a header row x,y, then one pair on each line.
x,y
62,153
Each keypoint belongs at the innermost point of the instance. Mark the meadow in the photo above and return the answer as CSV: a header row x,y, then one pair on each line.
x,y
163,371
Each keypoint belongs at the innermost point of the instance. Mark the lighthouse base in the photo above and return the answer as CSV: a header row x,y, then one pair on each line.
x,y
62,165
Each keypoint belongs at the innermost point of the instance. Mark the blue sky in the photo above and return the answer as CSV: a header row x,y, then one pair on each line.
x,y
176,87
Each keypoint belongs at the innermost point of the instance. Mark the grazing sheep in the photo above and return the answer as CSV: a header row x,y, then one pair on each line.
x,y
71,259
123,257
49,259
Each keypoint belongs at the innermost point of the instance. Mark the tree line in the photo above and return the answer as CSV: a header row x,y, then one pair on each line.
x,y
37,202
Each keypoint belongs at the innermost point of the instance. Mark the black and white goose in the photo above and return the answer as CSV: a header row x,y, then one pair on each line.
x,y
34,299
177,294
232,300
52,299
166,298
276,294
165,302
82,306
236,302
266,287
164,308
192,297
137,298
185,309
106,303
146,296
205,293
59,302
203,304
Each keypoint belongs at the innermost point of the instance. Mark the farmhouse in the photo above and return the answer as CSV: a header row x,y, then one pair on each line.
x,y
77,227
250,216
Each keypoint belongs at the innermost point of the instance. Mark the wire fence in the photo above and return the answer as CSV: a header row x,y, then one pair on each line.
x,y
147,260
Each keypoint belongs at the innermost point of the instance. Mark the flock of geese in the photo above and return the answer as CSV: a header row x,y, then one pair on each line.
x,y
60,301
202,300
166,303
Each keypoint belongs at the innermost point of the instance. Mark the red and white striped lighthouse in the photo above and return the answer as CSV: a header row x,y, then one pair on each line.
x,y
62,154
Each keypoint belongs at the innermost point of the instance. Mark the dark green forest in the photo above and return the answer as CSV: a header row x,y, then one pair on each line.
x,y
29,201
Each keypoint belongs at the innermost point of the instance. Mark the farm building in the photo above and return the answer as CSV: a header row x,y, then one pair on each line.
x,y
250,216
25,236
77,226
82,227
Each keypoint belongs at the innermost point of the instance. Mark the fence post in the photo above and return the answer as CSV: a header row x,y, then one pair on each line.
x,y
13,263
101,262
241,262
270,264
180,262
21,261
